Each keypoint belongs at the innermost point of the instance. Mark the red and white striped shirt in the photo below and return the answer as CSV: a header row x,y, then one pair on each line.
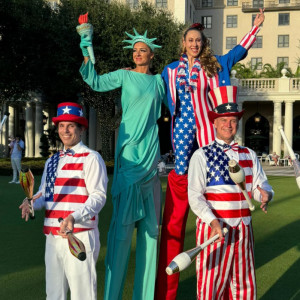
x,y
79,189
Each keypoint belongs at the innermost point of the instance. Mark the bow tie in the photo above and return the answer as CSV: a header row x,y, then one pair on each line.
x,y
234,147
64,153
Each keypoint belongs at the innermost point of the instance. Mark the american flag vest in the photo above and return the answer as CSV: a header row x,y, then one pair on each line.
x,y
65,191
223,196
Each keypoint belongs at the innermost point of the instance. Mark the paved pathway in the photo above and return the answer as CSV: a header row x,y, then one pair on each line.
x,y
278,171
270,170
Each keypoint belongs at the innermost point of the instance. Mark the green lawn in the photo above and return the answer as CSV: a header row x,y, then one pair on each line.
x,y
277,247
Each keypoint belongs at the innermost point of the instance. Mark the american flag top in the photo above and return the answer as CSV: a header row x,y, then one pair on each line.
x,y
51,176
217,165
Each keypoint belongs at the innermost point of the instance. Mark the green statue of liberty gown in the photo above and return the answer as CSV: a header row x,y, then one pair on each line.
x,y
136,190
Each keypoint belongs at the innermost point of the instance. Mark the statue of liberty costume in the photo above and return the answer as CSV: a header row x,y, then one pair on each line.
x,y
136,190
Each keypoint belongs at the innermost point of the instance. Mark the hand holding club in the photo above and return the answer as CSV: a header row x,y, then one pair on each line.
x,y
184,259
76,246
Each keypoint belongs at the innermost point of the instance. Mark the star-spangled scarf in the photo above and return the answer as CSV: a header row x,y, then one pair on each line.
x,y
189,84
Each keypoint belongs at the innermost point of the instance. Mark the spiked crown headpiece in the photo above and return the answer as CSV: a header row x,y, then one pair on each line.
x,y
140,38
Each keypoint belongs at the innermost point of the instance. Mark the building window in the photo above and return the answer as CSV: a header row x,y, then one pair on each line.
x,y
284,1
207,3
162,3
283,19
230,42
231,21
258,43
232,2
253,18
207,22
283,59
132,3
258,3
256,62
190,12
283,41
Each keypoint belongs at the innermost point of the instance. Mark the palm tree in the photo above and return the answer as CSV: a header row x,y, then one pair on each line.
x,y
270,72
246,71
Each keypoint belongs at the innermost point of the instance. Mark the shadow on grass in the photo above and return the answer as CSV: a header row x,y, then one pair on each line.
x,y
272,247
287,286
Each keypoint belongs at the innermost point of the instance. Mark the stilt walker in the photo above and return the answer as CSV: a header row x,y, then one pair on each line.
x,y
188,82
136,190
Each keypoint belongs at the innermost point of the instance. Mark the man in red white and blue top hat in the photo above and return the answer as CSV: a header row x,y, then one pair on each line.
x,y
73,187
225,269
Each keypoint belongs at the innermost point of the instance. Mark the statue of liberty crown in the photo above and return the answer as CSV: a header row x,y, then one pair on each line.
x,y
140,38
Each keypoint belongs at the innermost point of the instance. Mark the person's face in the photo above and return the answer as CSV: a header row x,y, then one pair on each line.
x,y
142,54
69,133
226,128
193,43
17,139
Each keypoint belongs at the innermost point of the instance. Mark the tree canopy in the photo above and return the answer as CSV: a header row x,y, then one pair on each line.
x,y
39,46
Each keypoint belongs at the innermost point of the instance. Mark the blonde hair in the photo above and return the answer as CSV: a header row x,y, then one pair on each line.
x,y
208,61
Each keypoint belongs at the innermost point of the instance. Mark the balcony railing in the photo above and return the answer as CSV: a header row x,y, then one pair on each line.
x,y
249,6
295,84
265,85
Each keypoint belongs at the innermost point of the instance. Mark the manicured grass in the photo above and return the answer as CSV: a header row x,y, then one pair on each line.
x,y
277,247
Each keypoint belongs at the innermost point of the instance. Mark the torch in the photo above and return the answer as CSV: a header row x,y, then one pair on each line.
x,y
237,175
27,183
6,114
184,259
296,163
86,28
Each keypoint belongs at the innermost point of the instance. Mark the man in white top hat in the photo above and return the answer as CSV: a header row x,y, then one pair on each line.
x,y
225,269
73,187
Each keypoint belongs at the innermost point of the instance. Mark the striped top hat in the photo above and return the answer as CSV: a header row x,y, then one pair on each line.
x,y
223,100
70,112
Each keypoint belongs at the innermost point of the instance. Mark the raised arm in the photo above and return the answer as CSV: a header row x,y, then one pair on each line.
x,y
260,18
240,51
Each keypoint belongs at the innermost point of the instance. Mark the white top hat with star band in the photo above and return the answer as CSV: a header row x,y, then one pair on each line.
x,y
223,100
70,112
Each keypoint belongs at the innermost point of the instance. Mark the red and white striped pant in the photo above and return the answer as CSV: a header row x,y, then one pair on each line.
x,y
225,270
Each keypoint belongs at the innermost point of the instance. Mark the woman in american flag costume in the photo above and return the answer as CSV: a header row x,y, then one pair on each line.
x,y
188,82
225,269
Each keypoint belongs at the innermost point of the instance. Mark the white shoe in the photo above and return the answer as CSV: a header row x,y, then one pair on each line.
x,y
17,182
12,181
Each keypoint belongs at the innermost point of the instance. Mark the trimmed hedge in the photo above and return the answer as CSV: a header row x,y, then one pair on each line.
x,y
36,165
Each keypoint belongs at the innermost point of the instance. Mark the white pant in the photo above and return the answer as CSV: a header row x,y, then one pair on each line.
x,y
16,166
64,271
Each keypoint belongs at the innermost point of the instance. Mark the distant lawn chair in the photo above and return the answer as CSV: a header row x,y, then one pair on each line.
x,y
271,161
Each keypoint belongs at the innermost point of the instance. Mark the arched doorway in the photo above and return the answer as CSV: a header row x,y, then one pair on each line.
x,y
257,134
296,134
